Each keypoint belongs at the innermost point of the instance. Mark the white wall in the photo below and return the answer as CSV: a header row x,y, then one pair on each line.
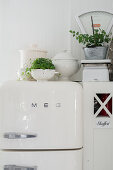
x,y
23,22
45,22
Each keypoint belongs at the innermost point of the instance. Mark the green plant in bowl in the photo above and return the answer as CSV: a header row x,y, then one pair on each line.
x,y
95,45
42,63
41,69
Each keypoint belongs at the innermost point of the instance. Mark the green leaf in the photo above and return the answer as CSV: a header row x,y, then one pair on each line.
x,y
70,31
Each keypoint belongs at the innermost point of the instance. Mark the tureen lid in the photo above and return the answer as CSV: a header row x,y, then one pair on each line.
x,y
64,55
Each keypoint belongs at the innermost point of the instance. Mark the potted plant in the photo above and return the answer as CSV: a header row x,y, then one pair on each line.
x,y
41,69
95,44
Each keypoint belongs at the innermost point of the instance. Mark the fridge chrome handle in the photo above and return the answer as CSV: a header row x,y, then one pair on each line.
x,y
15,167
17,135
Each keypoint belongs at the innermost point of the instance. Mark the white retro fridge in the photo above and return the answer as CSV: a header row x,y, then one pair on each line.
x,y
41,126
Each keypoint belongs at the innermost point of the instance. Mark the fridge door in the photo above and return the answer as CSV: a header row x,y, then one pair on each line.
x,y
44,115
98,125
45,160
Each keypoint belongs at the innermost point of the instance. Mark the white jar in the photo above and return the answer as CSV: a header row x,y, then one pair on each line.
x,y
27,56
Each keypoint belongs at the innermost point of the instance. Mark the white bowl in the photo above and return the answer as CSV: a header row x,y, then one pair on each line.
x,y
42,75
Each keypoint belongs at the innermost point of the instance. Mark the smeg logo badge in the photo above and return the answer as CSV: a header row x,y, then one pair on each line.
x,y
45,105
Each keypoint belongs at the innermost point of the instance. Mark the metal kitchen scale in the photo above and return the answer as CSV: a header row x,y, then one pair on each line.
x,y
95,70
